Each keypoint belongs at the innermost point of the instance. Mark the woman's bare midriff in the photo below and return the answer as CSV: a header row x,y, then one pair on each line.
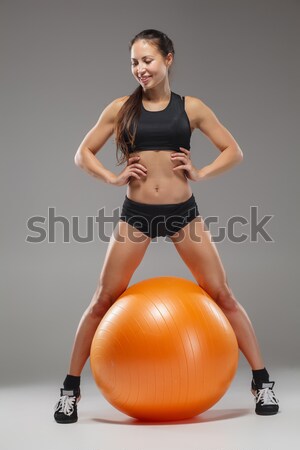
x,y
161,185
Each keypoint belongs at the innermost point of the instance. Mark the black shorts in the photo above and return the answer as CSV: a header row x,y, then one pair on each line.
x,y
159,219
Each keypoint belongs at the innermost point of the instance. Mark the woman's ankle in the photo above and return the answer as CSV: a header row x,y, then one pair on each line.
x,y
260,375
71,382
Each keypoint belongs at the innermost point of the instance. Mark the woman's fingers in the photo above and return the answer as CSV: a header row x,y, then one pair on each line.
x,y
139,166
133,158
184,153
136,170
136,164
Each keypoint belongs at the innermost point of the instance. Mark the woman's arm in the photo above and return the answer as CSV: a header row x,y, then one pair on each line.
x,y
94,140
208,123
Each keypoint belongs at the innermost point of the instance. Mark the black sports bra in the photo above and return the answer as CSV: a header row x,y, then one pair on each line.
x,y
168,129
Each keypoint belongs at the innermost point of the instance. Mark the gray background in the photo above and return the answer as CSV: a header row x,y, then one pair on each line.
x,y
62,62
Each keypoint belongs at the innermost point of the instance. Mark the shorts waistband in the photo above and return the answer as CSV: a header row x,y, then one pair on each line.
x,y
160,205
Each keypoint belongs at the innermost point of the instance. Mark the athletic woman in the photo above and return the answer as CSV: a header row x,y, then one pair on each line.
x,y
152,129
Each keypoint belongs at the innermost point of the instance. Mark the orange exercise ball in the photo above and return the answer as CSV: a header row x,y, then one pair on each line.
x,y
164,351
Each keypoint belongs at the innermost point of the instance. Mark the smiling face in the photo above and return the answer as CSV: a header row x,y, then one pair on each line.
x,y
148,66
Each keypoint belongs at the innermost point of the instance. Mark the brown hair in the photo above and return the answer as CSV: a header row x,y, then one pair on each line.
x,y
130,111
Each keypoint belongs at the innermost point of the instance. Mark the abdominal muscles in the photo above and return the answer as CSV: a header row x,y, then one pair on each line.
x,y
161,184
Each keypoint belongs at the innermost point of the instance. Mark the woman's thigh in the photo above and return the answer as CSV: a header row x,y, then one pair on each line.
x,y
195,246
125,251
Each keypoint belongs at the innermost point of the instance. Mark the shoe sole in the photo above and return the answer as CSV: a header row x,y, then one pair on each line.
x,y
61,422
271,413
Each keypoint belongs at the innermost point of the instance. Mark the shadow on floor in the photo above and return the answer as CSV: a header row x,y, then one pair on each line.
x,y
208,416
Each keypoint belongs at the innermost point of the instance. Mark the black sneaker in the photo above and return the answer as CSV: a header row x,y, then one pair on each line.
x,y
266,404
66,407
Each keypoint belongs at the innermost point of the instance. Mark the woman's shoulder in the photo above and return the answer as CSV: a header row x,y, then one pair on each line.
x,y
196,106
113,107
194,101
119,102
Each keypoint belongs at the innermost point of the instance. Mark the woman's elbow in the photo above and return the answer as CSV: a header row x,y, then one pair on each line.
x,y
239,155
78,158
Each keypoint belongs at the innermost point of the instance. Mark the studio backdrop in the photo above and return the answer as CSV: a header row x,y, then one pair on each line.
x,y
62,63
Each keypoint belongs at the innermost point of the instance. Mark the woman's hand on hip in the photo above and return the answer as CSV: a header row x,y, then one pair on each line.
x,y
191,172
133,169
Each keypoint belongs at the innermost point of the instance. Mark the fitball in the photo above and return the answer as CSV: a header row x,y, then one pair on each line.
x,y
164,351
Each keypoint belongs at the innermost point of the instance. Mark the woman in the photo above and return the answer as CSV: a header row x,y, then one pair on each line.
x,y
153,127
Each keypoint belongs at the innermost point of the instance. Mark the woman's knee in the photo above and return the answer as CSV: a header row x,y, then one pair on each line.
x,y
225,299
100,304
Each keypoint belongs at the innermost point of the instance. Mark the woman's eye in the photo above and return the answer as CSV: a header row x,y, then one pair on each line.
x,y
147,62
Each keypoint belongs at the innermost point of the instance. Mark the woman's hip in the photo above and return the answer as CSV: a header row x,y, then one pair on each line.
x,y
159,219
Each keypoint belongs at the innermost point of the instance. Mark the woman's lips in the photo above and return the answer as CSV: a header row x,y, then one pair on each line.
x,y
145,80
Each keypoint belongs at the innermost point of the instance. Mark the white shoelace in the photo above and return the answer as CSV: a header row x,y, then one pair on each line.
x,y
65,405
267,397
